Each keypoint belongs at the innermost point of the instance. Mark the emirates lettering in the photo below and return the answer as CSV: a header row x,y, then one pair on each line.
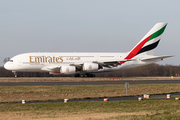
x,y
45,59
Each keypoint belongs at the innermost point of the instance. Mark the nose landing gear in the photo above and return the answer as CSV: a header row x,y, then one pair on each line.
x,y
15,74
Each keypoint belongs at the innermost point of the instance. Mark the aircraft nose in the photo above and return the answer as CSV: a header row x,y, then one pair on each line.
x,y
7,66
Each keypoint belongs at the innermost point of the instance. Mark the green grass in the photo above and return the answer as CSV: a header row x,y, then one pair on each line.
x,y
95,106
111,110
42,93
152,109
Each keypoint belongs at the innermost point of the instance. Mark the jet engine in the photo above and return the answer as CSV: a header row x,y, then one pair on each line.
x,y
90,67
67,69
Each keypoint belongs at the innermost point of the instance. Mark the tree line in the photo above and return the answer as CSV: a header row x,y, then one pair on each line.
x,y
148,70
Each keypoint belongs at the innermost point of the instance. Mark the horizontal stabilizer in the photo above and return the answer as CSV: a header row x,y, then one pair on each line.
x,y
155,58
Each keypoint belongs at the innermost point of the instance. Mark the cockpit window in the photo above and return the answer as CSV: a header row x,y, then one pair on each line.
x,y
10,60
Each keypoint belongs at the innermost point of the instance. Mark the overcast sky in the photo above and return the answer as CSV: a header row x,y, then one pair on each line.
x,y
86,26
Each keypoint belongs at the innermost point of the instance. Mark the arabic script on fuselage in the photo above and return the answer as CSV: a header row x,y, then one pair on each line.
x,y
73,58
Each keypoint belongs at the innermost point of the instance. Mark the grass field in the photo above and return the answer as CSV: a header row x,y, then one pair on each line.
x,y
110,110
43,93
118,110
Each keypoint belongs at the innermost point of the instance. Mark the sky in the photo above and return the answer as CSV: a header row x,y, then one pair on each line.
x,y
86,26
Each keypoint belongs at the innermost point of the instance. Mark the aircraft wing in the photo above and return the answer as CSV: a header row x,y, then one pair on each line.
x,y
110,63
79,66
155,58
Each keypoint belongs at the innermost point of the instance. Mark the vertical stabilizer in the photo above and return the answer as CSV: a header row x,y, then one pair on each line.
x,y
149,42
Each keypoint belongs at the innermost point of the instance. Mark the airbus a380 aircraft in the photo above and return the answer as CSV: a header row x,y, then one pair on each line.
x,y
88,63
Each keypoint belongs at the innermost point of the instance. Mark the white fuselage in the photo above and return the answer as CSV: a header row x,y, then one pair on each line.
x,y
39,62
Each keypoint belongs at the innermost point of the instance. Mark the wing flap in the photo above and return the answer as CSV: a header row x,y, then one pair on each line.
x,y
110,64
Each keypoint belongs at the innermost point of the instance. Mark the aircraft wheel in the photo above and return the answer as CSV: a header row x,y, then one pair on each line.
x,y
90,75
93,75
77,75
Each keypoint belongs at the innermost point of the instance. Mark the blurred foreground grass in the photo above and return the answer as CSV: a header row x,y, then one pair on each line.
x,y
151,109
130,110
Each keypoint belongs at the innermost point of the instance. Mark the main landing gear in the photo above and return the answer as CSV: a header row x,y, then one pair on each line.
x,y
90,75
84,75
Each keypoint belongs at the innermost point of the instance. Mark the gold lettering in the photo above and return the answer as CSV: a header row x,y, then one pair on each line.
x,y
30,59
57,59
54,59
78,58
43,59
61,59
38,59
73,58
50,59
46,59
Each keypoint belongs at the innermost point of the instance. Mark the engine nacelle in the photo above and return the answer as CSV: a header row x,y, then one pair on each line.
x,y
90,67
67,69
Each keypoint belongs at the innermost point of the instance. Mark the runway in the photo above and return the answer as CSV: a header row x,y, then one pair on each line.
x,y
90,82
